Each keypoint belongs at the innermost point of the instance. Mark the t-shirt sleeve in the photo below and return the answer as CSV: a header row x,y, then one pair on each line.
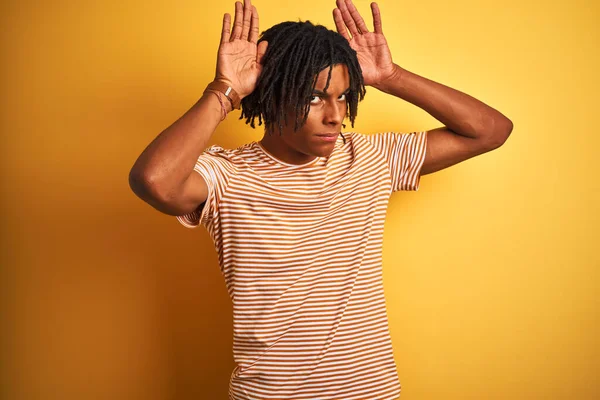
x,y
216,167
404,154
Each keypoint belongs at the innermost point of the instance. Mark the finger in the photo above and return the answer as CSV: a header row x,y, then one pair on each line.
x,y
347,18
226,28
247,19
254,26
260,51
237,22
376,18
339,23
356,17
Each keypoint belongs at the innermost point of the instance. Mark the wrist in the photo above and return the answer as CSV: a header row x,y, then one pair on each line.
x,y
225,87
219,102
393,77
226,103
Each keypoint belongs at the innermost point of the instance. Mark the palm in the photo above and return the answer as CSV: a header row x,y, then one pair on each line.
x,y
371,48
373,55
237,63
240,56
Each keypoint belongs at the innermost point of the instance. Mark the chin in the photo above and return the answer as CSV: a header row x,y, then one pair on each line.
x,y
324,151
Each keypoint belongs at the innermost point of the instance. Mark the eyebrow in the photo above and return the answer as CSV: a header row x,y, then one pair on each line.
x,y
320,92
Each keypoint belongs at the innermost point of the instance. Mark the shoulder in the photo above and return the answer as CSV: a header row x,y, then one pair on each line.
x,y
393,139
358,139
354,137
365,137
233,155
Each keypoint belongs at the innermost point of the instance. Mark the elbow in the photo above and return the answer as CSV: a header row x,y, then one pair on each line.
x,y
506,128
139,183
500,133
145,186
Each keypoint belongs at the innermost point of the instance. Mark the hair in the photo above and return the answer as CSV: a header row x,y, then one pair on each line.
x,y
296,53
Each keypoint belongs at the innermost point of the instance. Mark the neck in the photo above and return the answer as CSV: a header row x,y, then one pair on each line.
x,y
278,148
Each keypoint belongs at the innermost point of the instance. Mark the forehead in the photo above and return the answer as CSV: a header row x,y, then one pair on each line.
x,y
340,78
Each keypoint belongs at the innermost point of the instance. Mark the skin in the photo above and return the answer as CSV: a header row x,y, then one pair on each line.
x,y
326,114
163,175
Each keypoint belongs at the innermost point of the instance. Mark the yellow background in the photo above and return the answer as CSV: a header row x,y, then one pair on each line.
x,y
491,269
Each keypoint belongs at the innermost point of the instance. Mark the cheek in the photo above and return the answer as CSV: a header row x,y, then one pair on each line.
x,y
342,108
310,128
302,138
314,116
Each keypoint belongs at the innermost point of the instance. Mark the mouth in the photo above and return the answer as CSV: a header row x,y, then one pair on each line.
x,y
327,137
334,134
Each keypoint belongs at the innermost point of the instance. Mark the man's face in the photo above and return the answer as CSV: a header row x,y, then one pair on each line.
x,y
326,114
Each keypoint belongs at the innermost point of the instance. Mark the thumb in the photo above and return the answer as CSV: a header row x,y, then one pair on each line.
x,y
261,50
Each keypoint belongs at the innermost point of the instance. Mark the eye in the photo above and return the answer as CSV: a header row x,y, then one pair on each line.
x,y
314,99
342,97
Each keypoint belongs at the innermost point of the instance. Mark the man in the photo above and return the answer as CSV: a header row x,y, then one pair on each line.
x,y
297,218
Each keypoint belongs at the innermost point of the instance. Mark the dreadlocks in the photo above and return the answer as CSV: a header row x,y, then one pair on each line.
x,y
297,52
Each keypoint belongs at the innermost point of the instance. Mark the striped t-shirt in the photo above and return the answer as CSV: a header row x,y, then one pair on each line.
x,y
300,248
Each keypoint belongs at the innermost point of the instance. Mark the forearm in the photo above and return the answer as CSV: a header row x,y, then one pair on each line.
x,y
170,158
458,111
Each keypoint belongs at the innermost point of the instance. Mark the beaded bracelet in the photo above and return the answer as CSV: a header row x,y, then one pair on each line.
x,y
224,111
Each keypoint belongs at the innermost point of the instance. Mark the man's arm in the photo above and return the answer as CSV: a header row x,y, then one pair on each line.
x,y
471,127
163,175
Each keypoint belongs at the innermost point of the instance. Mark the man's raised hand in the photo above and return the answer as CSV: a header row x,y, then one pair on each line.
x,y
239,57
371,48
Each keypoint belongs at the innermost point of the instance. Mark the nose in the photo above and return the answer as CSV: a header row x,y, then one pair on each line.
x,y
334,113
